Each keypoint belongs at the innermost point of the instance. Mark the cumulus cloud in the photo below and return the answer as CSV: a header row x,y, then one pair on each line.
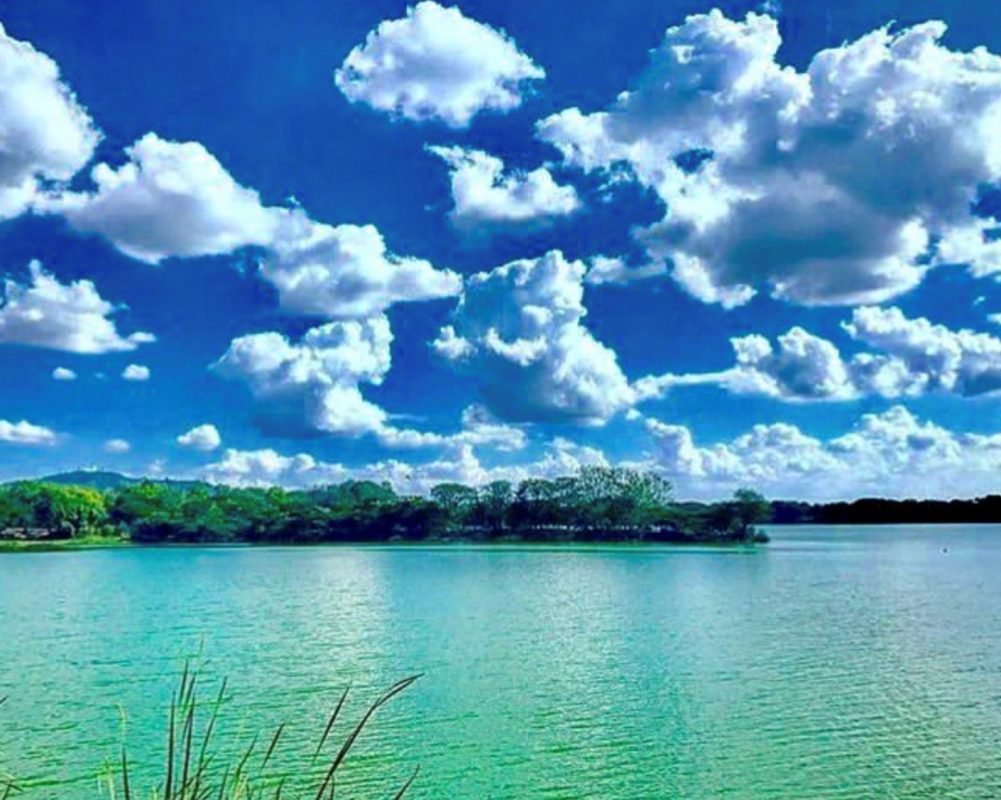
x,y
174,199
117,446
519,329
136,372
892,453
46,134
451,346
26,433
63,374
801,367
928,357
169,199
436,64
312,386
71,317
484,196
346,271
461,464
203,438
841,184
912,357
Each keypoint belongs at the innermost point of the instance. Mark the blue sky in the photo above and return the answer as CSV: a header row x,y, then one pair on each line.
x,y
302,242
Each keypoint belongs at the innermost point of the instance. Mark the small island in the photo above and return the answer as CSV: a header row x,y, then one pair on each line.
x,y
597,505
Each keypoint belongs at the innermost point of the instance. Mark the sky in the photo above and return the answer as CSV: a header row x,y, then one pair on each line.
x,y
740,245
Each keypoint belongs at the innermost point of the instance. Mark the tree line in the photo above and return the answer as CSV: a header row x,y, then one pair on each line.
x,y
597,504
881,511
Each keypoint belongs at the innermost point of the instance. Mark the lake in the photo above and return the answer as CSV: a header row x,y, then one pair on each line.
x,y
831,663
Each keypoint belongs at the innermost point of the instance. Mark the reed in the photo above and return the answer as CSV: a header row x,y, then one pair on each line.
x,y
192,770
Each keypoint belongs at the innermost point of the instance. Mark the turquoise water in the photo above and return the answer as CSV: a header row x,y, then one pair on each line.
x,y
832,663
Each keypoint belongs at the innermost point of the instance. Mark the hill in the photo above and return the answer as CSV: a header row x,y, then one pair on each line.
x,y
104,480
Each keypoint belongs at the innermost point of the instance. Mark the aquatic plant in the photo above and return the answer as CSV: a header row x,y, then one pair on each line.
x,y
192,771
192,768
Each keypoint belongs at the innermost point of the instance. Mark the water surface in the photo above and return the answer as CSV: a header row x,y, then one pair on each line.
x,y
832,663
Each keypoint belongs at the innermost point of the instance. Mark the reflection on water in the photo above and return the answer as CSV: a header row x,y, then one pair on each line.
x,y
833,663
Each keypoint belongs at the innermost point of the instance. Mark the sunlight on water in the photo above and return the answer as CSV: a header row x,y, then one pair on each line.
x,y
829,664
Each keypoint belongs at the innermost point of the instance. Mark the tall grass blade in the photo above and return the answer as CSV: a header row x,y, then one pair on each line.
x,y
126,791
349,742
403,789
330,723
273,745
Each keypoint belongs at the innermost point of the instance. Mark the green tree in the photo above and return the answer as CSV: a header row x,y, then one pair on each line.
x,y
456,501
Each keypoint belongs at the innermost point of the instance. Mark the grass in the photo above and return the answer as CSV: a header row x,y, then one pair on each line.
x,y
56,545
193,770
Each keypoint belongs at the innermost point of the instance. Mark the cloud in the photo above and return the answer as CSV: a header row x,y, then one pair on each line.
x,y
136,372
519,330
169,199
63,374
117,446
930,357
46,134
269,468
841,184
71,317
604,270
889,454
913,357
174,199
802,367
345,271
483,195
436,64
480,427
26,433
312,386
203,438
451,346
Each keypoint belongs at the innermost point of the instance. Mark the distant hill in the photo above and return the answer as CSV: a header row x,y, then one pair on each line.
x,y
103,480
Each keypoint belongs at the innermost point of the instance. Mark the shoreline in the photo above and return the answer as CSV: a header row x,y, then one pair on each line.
x,y
69,545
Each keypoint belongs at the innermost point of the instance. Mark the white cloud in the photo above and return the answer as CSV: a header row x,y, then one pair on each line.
x,y
45,134
842,184
269,468
203,438
117,446
345,271
913,357
169,199
929,357
71,317
519,328
313,385
63,374
461,464
174,199
890,454
480,427
484,196
602,270
26,433
436,64
451,346
136,372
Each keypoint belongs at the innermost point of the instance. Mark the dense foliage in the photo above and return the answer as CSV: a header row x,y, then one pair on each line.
x,y
880,511
597,504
